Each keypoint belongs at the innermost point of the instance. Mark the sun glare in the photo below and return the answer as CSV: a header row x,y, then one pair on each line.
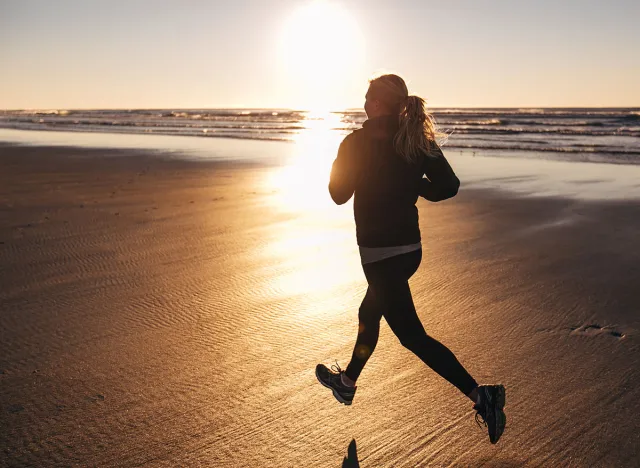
x,y
302,182
321,44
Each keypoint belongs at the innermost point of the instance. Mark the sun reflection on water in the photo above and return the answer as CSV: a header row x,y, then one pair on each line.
x,y
302,183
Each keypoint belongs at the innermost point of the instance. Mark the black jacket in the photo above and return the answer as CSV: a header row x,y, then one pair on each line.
x,y
386,186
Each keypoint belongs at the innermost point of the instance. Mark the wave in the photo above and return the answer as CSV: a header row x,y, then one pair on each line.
x,y
605,131
89,125
540,146
160,124
474,122
284,135
42,112
632,117
629,156
493,127
504,122
633,132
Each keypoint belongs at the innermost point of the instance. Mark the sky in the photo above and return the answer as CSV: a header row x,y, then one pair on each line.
x,y
313,54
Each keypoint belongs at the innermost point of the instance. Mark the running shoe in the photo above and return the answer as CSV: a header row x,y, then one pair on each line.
x,y
490,410
331,378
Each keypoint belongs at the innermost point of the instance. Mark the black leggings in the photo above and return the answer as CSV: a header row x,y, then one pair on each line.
x,y
389,295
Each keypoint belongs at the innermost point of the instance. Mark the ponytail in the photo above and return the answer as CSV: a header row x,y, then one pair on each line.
x,y
417,133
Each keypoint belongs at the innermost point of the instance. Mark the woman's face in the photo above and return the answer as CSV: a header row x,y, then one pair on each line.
x,y
372,106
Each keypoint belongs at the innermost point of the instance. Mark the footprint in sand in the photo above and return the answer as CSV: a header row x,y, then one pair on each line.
x,y
593,329
94,398
15,408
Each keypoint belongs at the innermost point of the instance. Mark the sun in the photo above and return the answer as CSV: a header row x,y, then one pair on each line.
x,y
321,48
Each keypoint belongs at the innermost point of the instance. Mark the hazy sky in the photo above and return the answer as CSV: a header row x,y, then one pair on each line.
x,y
262,53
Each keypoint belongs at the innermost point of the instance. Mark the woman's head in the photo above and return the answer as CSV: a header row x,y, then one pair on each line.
x,y
388,95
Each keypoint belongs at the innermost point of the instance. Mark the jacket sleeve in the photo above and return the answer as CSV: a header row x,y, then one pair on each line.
x,y
441,182
343,174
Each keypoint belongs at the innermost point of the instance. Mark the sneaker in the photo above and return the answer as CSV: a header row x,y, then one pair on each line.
x,y
331,378
489,410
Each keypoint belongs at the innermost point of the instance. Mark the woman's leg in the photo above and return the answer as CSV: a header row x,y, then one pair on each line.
x,y
389,282
369,317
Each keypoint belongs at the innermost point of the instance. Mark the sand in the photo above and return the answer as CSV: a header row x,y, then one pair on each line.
x,y
163,312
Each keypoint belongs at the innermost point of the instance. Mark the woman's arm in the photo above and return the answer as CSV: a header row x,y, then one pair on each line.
x,y
441,182
342,181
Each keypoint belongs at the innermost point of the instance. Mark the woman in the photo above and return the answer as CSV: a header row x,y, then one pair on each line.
x,y
383,164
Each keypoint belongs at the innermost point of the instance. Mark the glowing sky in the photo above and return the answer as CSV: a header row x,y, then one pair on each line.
x,y
283,53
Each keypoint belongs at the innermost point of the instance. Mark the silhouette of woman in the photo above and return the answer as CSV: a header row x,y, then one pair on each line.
x,y
383,165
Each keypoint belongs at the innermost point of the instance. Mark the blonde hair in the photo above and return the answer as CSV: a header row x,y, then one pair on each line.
x,y
418,133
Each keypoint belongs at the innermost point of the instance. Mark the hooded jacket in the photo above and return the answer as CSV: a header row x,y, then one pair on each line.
x,y
385,185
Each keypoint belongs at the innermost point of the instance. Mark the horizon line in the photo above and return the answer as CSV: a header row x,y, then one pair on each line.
x,y
60,108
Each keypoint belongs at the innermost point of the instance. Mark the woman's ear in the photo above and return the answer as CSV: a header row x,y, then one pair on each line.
x,y
376,107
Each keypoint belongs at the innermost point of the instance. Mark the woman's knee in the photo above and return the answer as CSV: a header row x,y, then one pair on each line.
x,y
415,341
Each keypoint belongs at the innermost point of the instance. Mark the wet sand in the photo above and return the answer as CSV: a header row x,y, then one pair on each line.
x,y
163,312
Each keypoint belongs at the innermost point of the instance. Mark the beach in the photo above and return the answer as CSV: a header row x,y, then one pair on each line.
x,y
167,311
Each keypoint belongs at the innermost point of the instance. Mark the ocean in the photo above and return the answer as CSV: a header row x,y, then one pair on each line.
x,y
606,135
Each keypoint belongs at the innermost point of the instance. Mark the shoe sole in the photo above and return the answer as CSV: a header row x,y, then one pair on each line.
x,y
500,417
335,394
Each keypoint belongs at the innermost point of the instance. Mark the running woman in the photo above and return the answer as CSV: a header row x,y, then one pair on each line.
x,y
383,165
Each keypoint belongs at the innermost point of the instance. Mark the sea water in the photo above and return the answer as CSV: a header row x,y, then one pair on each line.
x,y
606,135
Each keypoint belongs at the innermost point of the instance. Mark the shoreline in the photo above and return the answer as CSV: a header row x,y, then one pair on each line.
x,y
200,143
579,180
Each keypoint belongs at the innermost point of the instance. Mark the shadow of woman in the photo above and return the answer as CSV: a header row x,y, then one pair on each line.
x,y
351,460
